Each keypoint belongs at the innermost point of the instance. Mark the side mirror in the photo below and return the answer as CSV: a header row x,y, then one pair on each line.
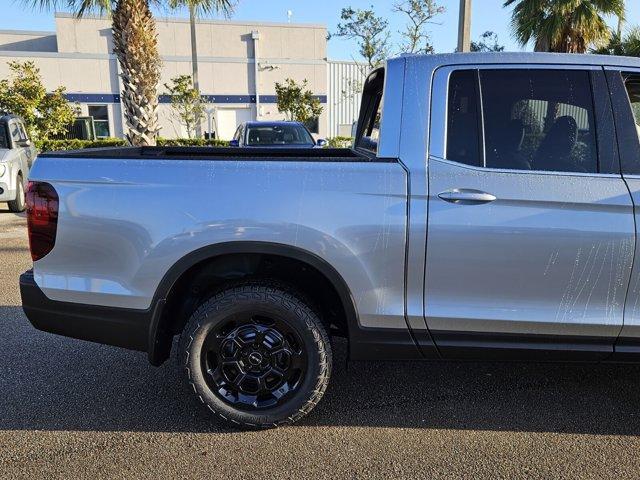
x,y
234,143
322,142
25,143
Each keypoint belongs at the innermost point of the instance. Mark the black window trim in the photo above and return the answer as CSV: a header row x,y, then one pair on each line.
x,y
482,142
603,113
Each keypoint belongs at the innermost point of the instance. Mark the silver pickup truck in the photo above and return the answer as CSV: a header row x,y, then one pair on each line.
x,y
16,157
486,211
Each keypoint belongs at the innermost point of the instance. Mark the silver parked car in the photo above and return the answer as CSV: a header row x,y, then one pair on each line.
x,y
16,157
486,211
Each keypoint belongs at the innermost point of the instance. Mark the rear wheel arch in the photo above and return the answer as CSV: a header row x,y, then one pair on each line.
x,y
174,291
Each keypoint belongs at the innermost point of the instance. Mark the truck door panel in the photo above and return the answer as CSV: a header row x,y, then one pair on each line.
x,y
530,229
625,97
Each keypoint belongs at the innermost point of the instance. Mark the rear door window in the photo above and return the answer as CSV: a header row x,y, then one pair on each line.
x,y
539,120
523,119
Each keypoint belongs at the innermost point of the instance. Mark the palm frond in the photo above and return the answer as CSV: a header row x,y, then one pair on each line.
x,y
206,7
563,25
79,7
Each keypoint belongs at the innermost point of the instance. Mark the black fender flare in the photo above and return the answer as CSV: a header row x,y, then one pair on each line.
x,y
157,343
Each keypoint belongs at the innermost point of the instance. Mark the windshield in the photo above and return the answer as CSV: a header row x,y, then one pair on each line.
x,y
278,135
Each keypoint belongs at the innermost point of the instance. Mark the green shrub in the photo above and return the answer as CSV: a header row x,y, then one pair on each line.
x,y
191,142
339,142
76,144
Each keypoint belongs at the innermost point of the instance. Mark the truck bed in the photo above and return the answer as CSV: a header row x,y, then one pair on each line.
x,y
220,153
127,215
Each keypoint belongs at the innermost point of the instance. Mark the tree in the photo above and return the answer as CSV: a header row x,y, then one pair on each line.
x,y
420,13
185,100
563,25
136,47
24,94
197,8
627,44
488,42
369,31
297,101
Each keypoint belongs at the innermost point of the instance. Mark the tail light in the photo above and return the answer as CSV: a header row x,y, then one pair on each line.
x,y
42,218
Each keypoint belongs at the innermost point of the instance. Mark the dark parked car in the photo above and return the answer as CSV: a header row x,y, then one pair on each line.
x,y
274,135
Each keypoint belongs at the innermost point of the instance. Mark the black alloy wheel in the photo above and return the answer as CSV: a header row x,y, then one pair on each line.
x,y
253,362
257,355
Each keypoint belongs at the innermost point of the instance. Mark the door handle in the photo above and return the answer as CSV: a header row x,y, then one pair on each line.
x,y
466,196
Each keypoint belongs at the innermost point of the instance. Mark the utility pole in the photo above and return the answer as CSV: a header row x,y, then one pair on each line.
x,y
255,35
464,26
194,60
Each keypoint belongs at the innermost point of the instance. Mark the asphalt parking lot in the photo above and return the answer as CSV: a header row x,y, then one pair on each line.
x,y
75,409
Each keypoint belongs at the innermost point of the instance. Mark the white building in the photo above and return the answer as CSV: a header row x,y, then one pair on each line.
x,y
78,56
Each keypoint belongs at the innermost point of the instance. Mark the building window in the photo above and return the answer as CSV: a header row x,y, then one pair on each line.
x,y
100,114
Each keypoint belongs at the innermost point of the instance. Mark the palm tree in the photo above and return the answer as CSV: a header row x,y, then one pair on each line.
x,y
563,25
135,45
621,19
197,8
627,44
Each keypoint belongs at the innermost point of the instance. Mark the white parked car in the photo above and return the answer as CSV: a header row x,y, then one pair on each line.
x,y
16,157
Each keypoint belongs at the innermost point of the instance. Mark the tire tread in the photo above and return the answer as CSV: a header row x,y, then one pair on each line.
x,y
271,291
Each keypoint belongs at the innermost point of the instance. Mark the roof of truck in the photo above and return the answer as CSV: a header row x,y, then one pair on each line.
x,y
523,58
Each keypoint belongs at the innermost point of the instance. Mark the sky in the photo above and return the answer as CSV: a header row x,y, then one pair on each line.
x,y
486,15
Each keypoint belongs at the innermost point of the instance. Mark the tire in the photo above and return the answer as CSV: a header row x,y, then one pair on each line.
x,y
257,355
18,205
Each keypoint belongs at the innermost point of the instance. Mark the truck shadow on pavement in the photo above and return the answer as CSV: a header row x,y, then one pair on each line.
x,y
54,383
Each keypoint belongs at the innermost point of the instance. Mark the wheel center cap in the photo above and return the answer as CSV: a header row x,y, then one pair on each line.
x,y
255,358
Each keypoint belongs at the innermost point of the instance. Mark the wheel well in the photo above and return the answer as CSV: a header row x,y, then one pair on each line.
x,y
207,277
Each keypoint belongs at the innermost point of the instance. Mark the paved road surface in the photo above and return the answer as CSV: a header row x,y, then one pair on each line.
x,y
75,409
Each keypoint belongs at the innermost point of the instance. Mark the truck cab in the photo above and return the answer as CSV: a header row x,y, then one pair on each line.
x,y
527,164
